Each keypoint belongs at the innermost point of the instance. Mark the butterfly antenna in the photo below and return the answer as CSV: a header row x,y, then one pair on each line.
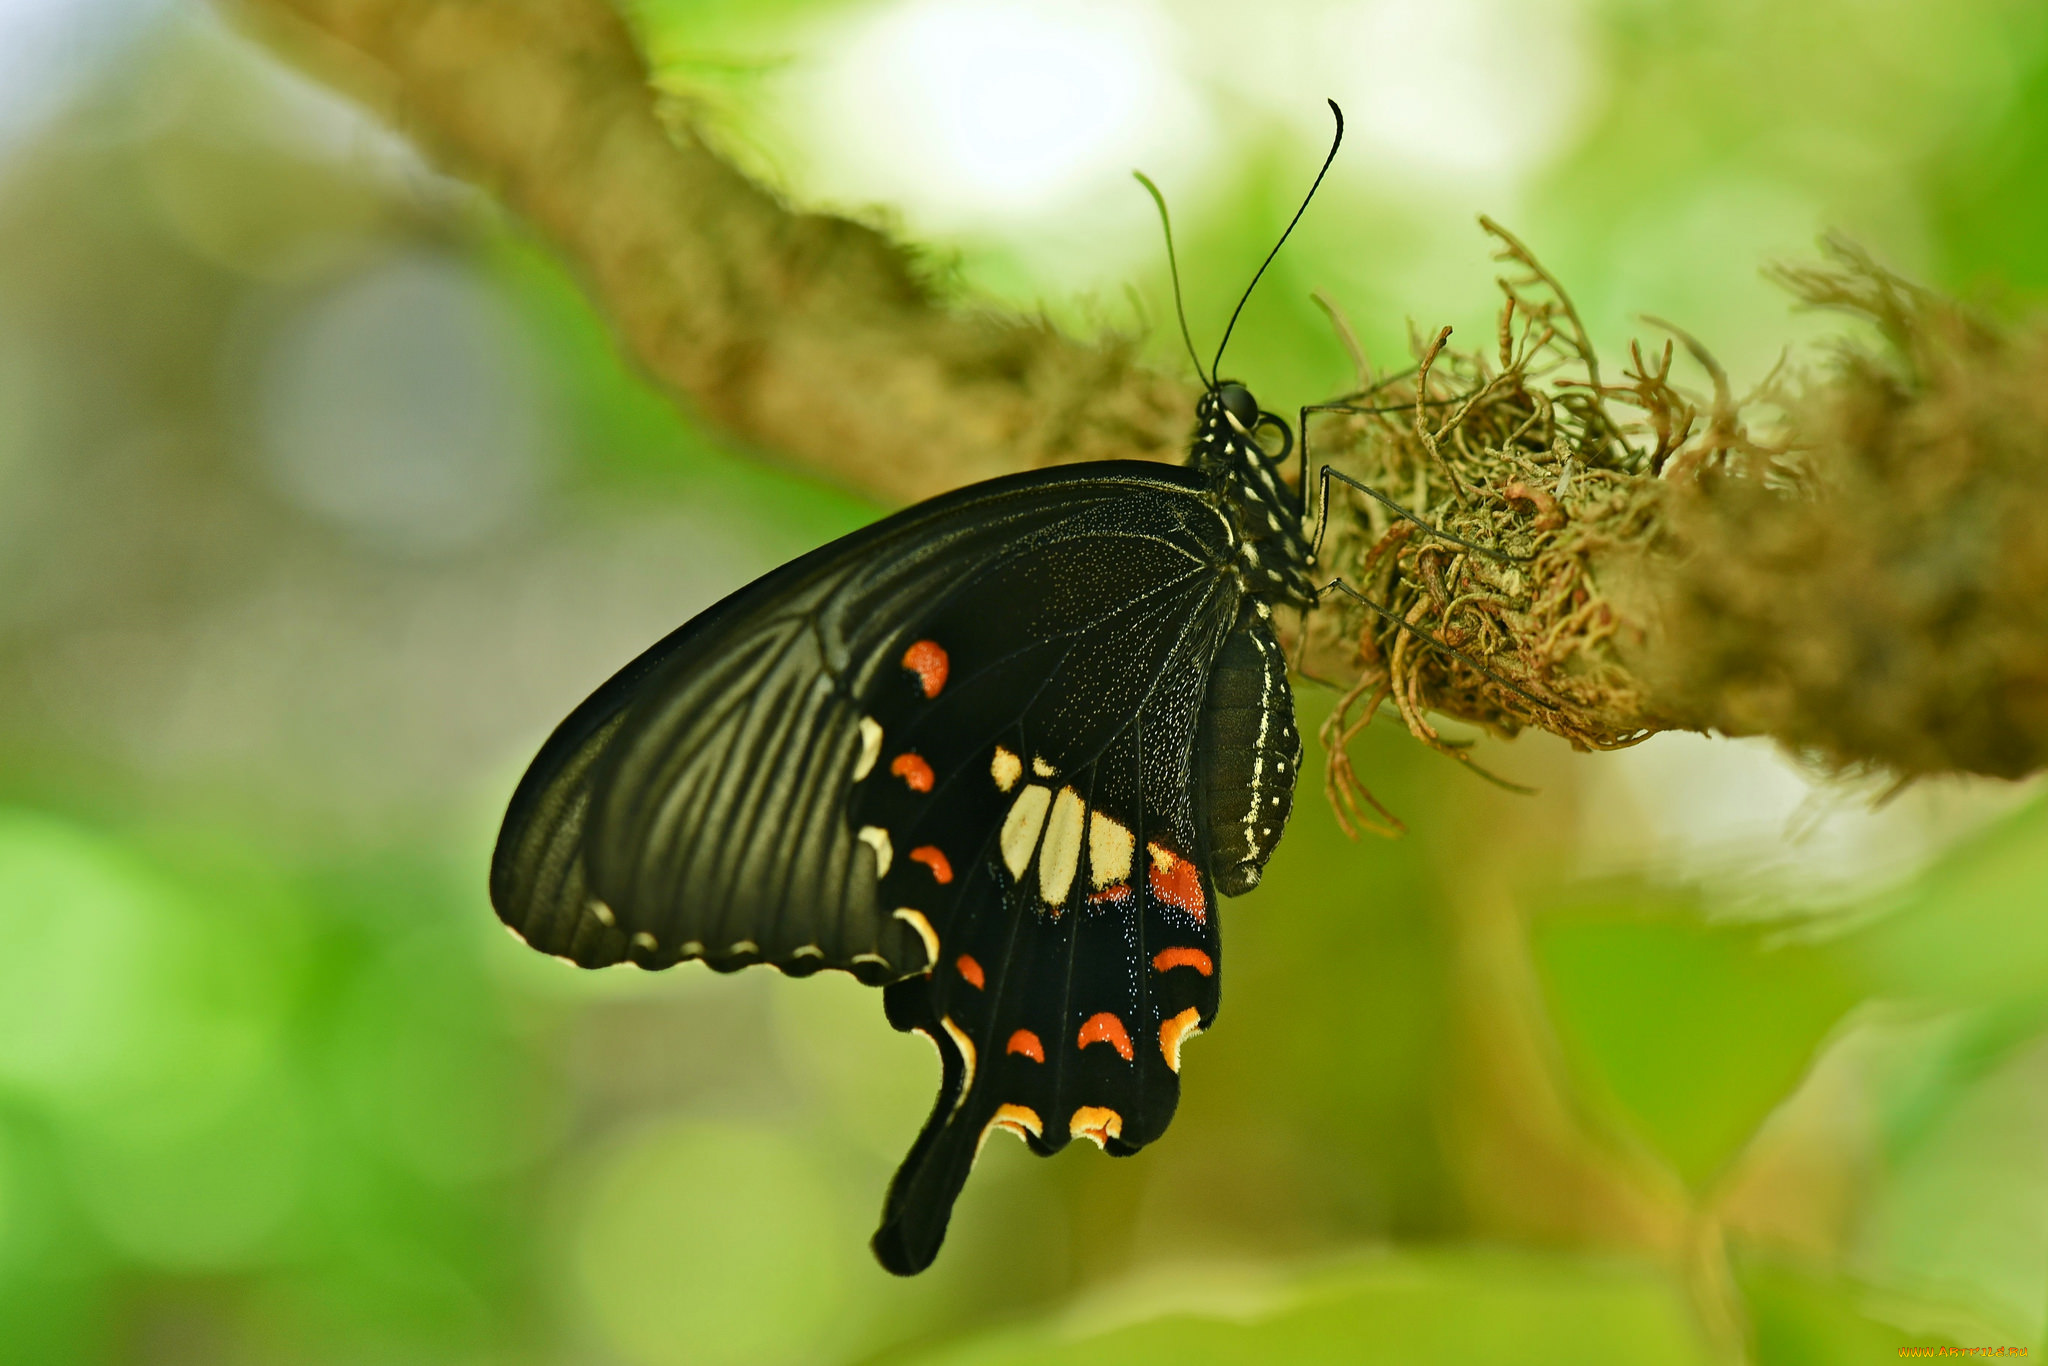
x,y
1335,143
1173,268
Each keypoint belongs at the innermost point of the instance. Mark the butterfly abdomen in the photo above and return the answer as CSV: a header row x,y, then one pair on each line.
x,y
1253,752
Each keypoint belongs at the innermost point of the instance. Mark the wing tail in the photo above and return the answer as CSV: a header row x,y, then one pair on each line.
x,y
922,1193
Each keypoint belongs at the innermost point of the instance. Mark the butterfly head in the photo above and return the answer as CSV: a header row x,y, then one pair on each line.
x,y
1234,437
1243,450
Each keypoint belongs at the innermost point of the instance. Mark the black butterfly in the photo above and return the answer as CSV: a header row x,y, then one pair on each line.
x,y
999,753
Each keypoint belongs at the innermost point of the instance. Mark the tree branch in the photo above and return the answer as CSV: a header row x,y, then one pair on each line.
x,y
809,336
1855,564
1867,583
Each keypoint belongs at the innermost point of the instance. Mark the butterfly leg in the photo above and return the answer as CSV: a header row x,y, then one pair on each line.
x,y
1424,634
1329,472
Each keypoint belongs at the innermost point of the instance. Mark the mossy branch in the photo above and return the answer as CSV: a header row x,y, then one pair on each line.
x,y
811,337
1855,564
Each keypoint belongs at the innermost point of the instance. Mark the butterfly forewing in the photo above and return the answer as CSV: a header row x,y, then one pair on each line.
x,y
695,805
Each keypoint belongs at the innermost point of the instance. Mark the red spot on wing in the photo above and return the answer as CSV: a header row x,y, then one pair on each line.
x,y
914,771
934,858
1167,959
1106,1028
970,970
1177,882
1115,891
1025,1042
927,659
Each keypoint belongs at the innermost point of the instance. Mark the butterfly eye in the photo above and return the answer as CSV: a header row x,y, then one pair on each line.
x,y
1239,407
1279,456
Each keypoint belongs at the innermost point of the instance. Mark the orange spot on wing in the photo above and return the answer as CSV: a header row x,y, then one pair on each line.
x,y
1096,1123
1106,1028
1116,892
1167,959
914,771
927,659
1176,881
1025,1042
934,858
969,969
1018,1119
1175,1032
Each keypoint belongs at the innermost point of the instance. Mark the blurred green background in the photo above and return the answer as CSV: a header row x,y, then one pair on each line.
x,y
323,496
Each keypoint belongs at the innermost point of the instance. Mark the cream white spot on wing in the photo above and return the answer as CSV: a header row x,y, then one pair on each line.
x,y
1006,768
870,747
966,1047
807,951
643,940
744,946
876,838
1017,1119
1020,828
690,948
1060,857
1041,767
930,936
1176,1032
1110,846
603,913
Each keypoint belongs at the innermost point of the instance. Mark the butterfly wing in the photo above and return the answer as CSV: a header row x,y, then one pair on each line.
x,y
1058,868
960,752
695,805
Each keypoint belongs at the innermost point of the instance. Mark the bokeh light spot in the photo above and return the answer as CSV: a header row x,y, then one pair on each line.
x,y
408,406
204,1200
979,112
831,1034
708,1244
432,1072
77,925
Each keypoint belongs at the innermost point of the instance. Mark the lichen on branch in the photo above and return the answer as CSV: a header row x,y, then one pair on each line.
x,y
1854,562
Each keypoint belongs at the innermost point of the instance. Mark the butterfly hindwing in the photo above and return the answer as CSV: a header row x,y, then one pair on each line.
x,y
1048,801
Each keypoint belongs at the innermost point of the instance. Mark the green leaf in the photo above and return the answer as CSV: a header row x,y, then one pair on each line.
x,y
1953,1217
1971,931
1410,1310
1694,1031
1800,1318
